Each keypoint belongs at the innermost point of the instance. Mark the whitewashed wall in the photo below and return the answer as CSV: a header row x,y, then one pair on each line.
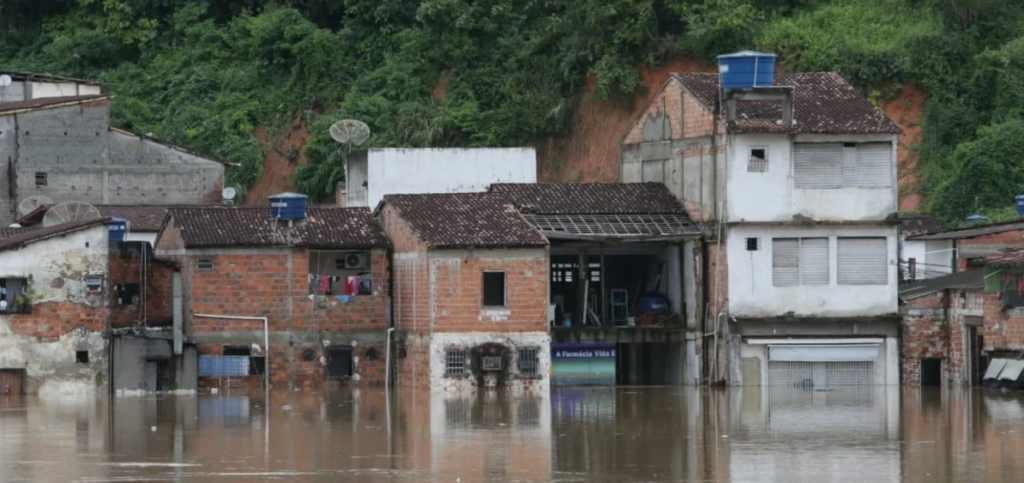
x,y
62,89
771,195
752,293
934,258
442,170
441,341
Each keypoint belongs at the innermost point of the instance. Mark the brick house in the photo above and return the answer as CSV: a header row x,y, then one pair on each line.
x,y
470,292
1003,324
322,284
794,184
53,308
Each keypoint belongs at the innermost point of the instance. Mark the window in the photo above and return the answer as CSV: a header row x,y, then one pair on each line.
x,y
654,170
455,363
204,264
758,161
494,289
835,165
82,357
40,179
257,364
863,261
127,293
15,297
339,362
799,261
528,361
333,272
93,284
751,244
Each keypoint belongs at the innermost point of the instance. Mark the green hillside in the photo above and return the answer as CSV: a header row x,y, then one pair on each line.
x,y
205,74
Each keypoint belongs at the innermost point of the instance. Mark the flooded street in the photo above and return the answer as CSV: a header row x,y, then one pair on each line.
x,y
577,434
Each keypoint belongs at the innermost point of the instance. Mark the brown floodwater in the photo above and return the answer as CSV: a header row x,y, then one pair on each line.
x,y
650,434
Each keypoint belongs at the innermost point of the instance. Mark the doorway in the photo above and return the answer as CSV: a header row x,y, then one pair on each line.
x,y
931,372
13,377
977,360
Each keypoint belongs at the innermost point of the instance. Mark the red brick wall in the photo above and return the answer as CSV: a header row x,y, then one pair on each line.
x,y
304,374
1004,328
158,290
412,362
699,120
458,292
257,285
412,286
50,320
923,334
994,241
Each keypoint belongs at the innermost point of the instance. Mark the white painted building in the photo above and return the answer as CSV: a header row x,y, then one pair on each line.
x,y
372,174
800,223
26,87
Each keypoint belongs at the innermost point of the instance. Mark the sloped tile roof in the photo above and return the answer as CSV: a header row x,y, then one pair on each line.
x,y
465,220
26,236
918,224
823,103
140,217
589,198
973,231
231,226
9,232
44,102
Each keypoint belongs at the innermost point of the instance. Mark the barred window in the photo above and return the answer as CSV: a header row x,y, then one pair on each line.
x,y
529,361
455,363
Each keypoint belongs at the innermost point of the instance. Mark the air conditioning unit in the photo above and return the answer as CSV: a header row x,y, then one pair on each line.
x,y
356,261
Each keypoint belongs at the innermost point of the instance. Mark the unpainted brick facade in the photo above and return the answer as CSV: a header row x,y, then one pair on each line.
x,y
936,327
136,265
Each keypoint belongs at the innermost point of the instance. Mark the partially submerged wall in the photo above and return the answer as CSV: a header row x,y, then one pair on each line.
x,y
60,345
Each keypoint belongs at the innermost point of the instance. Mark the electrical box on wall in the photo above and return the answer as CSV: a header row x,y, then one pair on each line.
x,y
93,284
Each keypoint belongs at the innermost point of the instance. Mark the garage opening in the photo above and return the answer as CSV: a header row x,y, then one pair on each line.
x,y
822,366
931,372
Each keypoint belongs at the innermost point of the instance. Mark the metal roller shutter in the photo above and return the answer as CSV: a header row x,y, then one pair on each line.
x,y
785,262
863,261
814,261
818,165
874,165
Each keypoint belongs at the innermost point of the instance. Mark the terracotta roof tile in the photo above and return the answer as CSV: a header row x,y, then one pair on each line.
x,y
27,236
231,226
823,103
140,217
465,220
589,198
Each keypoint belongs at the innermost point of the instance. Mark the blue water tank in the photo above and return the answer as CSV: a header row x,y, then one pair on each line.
x,y
288,206
1019,199
746,70
652,303
974,219
117,229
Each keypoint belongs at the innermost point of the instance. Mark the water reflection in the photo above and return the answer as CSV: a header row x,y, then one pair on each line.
x,y
574,434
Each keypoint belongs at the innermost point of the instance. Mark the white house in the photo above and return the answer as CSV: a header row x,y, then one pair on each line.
x,y
372,174
795,182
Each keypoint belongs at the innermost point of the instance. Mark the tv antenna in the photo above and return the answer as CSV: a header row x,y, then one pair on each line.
x,y
350,132
69,212
5,80
32,203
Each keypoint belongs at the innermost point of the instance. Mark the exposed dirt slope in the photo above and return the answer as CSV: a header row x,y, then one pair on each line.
x,y
282,158
905,109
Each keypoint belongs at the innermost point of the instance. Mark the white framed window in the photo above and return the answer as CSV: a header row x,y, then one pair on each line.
x,y
862,261
799,261
842,165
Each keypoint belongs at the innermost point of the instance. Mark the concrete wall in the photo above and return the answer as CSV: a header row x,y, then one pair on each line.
x,y
86,161
64,319
14,92
933,258
130,355
440,343
772,196
445,170
357,190
750,367
8,157
752,293
41,89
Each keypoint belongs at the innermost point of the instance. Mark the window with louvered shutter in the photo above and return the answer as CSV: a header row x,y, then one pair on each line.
x,y
797,261
818,165
785,262
874,165
814,261
863,261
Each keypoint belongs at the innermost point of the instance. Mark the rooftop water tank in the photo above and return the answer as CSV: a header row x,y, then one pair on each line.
x,y
117,229
1019,200
288,206
746,70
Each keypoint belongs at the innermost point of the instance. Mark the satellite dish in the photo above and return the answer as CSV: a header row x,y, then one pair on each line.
x,y
350,132
228,194
69,212
32,203
5,80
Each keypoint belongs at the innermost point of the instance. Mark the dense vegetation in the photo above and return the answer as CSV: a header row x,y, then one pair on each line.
x,y
206,73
